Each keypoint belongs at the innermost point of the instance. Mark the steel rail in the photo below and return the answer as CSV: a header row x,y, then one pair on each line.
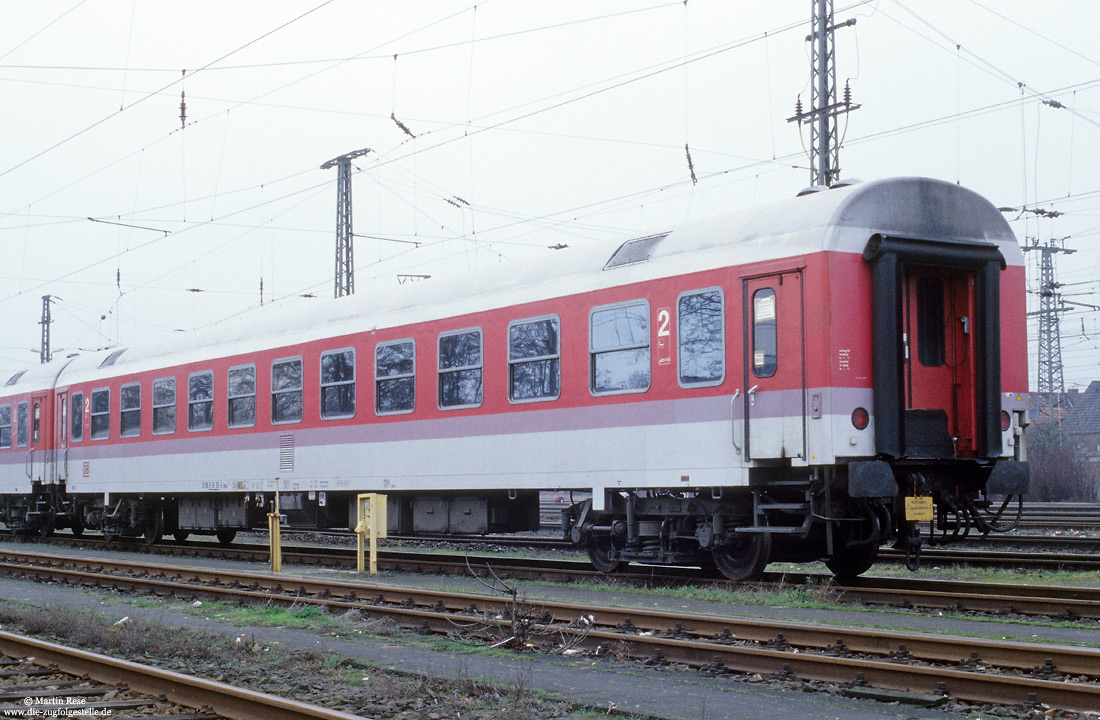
x,y
221,698
950,554
990,558
710,635
913,592
972,686
348,594
344,557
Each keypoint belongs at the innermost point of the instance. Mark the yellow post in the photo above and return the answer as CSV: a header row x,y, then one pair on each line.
x,y
371,521
360,533
275,533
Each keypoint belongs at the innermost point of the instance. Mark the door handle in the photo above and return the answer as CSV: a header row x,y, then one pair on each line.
x,y
733,418
30,463
751,393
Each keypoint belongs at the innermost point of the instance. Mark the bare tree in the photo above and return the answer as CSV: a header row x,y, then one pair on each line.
x,y
1059,470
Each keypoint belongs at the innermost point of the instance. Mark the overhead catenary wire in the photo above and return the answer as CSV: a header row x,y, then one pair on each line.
x,y
147,96
615,83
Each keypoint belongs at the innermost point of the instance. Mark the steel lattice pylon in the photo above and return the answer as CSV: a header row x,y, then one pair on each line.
x,y
344,283
1050,382
45,354
824,108
824,145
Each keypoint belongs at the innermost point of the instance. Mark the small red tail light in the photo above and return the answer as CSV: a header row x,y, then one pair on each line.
x,y
860,418
1006,421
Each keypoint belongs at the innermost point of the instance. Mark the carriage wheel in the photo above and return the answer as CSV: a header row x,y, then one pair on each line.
x,y
599,552
225,536
858,543
745,558
851,563
48,525
152,533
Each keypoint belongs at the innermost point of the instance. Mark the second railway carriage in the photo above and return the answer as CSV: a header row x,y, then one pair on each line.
x,y
801,381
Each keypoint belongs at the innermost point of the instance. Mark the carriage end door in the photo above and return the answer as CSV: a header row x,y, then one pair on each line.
x,y
41,443
774,372
940,381
61,444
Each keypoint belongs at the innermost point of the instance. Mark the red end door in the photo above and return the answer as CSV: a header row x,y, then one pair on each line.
x,y
939,332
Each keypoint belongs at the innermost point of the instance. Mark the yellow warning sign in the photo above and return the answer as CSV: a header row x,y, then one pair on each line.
x,y
918,509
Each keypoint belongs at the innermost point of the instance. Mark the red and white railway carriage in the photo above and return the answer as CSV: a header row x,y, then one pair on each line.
x,y
765,385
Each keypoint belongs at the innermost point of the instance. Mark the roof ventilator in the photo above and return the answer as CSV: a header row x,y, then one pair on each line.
x,y
634,251
15,378
110,359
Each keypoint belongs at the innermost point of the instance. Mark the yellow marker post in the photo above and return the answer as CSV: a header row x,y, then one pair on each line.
x,y
371,522
275,534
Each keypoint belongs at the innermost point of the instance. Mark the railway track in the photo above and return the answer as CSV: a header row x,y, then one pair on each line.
x,y
999,559
929,666
39,678
1044,542
907,593
1086,559
1053,515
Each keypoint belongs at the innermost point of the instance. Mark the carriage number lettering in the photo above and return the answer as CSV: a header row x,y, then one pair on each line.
x,y
664,344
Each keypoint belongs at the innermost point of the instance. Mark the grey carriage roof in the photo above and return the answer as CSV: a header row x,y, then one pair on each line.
x,y
840,219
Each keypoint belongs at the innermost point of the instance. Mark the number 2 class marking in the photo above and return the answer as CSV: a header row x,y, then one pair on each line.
x,y
664,346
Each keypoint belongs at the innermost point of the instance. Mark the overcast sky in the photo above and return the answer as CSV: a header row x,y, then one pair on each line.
x,y
535,124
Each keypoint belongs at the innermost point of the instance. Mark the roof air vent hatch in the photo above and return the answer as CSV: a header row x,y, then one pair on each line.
x,y
15,378
110,359
634,251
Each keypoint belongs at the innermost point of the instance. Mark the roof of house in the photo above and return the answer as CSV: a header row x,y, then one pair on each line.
x,y
1084,418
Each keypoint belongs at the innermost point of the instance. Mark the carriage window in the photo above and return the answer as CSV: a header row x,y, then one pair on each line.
x,y
63,421
36,423
241,391
21,425
129,403
5,426
164,406
395,377
200,401
764,357
701,327
534,368
338,384
930,323
286,391
78,417
619,348
460,369
101,414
